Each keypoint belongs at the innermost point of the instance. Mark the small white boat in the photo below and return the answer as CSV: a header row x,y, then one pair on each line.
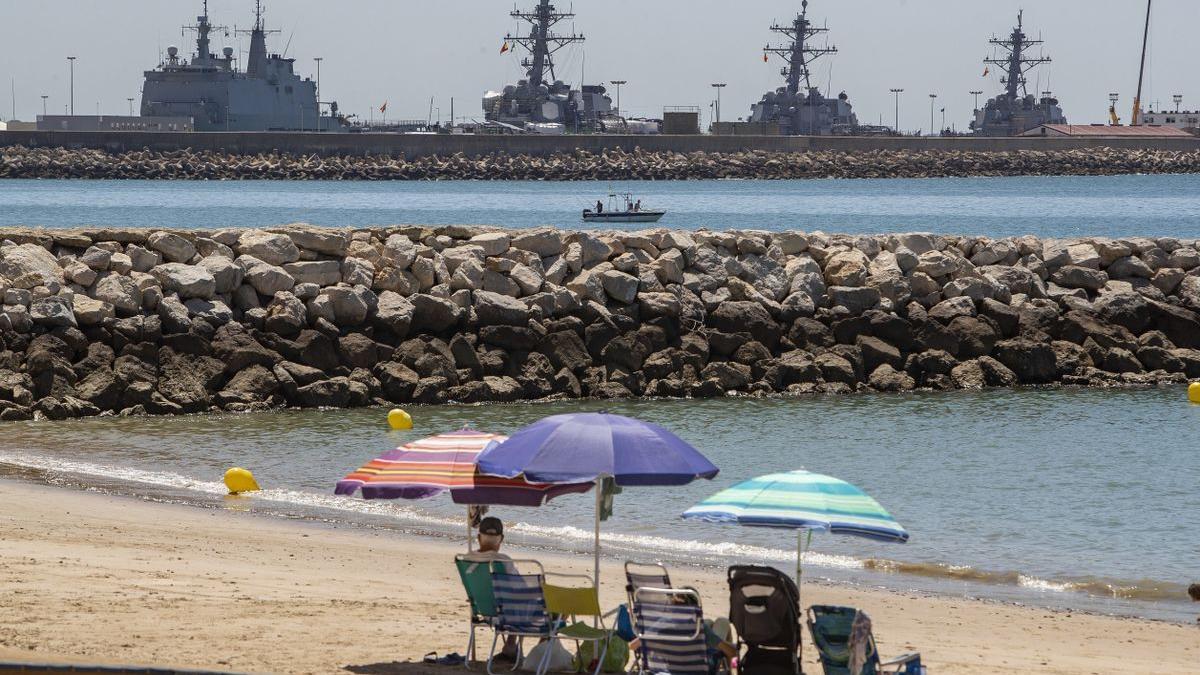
x,y
622,209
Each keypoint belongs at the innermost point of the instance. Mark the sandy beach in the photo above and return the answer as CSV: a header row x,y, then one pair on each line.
x,y
89,578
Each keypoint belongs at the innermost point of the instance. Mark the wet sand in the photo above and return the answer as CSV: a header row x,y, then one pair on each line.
x,y
89,578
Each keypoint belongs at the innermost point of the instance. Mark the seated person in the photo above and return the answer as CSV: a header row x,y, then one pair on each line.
x,y
490,538
1194,593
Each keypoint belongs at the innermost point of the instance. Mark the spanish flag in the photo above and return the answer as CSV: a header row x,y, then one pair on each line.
x,y
986,70
504,48
383,108
765,59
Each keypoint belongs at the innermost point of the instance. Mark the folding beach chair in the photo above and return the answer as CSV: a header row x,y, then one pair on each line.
x,y
669,624
764,607
645,575
477,582
574,603
520,611
832,629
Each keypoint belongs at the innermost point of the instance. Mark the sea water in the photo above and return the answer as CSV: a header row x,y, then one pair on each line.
x,y
1110,206
1079,499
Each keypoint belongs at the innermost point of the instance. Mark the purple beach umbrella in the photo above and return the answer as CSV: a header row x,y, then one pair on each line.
x,y
589,447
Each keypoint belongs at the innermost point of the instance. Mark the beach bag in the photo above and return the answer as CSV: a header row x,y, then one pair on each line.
x,y
560,658
614,659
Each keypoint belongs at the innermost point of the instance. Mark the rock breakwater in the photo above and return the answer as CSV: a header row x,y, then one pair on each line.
x,y
20,162
138,322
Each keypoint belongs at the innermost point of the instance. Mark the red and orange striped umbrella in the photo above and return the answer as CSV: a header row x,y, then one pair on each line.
x,y
446,463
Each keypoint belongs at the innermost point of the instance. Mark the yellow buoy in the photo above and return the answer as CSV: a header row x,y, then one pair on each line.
x,y
400,420
1194,392
240,480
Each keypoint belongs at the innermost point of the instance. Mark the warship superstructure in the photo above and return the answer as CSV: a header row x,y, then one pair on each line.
x,y
799,107
1016,111
267,96
541,102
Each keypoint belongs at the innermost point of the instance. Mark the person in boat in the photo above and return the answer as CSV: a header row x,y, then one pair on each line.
x,y
599,206
638,206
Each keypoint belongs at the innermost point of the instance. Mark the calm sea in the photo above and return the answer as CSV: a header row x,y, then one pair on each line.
x,y
1081,499
1047,206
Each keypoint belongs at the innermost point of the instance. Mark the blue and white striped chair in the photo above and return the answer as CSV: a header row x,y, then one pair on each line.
x,y
520,611
669,624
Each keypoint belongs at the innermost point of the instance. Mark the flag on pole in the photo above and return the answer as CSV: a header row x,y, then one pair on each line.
x,y
504,47
765,59
383,108
986,70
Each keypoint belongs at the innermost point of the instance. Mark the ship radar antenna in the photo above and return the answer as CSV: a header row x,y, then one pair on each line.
x,y
541,43
798,54
1015,62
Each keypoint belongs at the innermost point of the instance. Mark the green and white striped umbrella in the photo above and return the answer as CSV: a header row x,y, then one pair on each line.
x,y
804,501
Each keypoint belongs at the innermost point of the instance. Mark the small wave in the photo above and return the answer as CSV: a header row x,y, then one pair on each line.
x,y
566,536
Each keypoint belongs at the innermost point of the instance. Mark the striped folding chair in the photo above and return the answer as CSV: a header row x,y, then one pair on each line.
x,y
645,575
520,611
477,582
670,632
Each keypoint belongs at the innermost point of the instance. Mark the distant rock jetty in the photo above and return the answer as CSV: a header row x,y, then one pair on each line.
x,y
135,322
20,162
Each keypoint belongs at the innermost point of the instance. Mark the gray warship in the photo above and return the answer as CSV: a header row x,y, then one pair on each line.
x,y
798,107
267,96
541,102
1016,111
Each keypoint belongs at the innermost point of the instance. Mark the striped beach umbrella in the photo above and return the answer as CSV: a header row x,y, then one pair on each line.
x,y
803,501
447,463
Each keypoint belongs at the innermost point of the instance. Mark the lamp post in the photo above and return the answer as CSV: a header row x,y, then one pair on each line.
x,y
44,97
319,59
976,95
896,93
130,106
1113,97
617,84
1178,98
932,100
71,59
718,86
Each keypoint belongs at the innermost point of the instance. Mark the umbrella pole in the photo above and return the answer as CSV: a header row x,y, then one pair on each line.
x,y
596,540
469,547
799,561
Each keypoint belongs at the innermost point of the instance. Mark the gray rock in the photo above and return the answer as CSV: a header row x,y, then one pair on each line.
x,y
492,243
89,312
319,272
887,378
306,291
189,281
1075,276
143,260
856,300
496,309
227,274
266,278
286,315
400,252
654,305
947,310
120,291
1167,279
543,242
496,282
848,268
215,312
351,305
32,260
53,311
173,247
791,243
395,312
620,286
96,258
433,314
526,278
453,257
358,272
269,247
120,263
78,273
320,307
468,275
936,264
329,242
1129,267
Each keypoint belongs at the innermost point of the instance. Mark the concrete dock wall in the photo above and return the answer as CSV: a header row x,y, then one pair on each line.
x,y
415,146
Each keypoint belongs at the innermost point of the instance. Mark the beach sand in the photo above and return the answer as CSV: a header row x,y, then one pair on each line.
x,y
91,578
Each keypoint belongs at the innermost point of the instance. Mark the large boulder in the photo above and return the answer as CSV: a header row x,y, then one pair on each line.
x,y
286,315
226,273
496,309
351,305
743,316
856,300
53,312
1033,362
173,247
189,281
395,312
329,242
269,247
319,272
119,291
32,262
433,314
267,279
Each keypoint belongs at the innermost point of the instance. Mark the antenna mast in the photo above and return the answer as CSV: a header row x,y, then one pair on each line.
x,y
1137,100
799,55
542,43
1016,63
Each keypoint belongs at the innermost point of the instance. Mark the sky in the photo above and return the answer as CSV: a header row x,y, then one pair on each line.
x,y
409,52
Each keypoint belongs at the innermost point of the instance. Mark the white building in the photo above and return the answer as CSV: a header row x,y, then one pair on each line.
x,y
1180,119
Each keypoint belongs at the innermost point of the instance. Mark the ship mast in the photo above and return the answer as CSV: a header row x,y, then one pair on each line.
x,y
256,63
1016,63
799,54
542,43
203,43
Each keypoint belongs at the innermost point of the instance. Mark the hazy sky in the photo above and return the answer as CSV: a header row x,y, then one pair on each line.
x,y
407,51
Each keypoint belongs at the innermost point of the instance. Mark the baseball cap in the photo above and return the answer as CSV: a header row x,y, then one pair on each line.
x,y
491,525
